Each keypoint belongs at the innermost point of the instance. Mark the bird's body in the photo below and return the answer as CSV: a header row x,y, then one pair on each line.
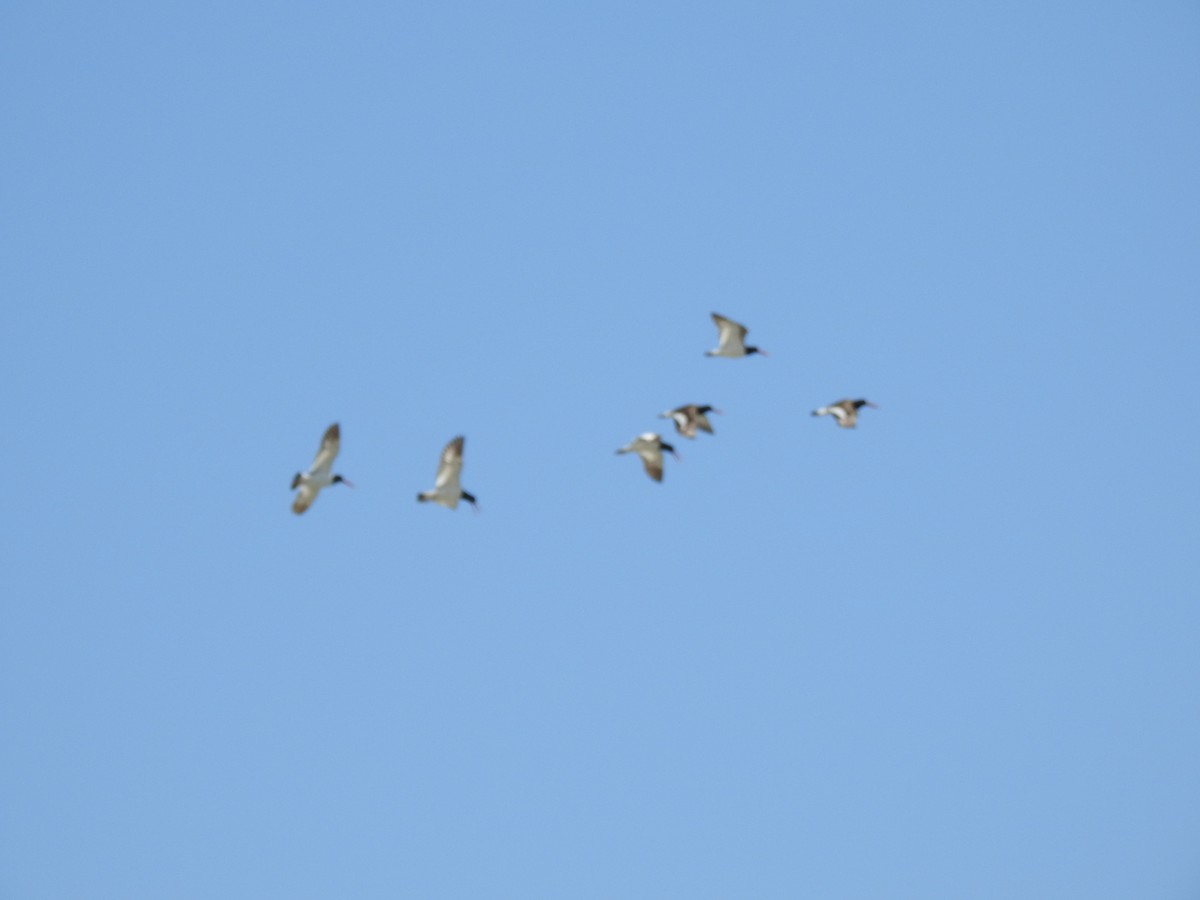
x,y
845,412
689,418
447,490
650,447
731,339
320,473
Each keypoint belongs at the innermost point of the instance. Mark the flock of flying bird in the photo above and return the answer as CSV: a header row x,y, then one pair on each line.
x,y
448,490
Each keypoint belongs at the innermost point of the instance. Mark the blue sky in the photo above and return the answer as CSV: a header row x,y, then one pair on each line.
x,y
949,654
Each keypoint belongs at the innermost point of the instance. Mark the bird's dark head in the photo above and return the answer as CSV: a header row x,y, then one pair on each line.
x,y
669,449
338,479
750,351
296,480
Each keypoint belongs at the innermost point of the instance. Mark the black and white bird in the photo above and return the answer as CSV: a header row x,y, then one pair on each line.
x,y
731,340
650,447
844,411
688,418
320,473
446,489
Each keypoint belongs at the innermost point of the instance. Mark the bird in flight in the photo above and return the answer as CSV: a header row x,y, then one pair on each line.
x,y
844,411
446,489
319,474
650,447
731,340
688,418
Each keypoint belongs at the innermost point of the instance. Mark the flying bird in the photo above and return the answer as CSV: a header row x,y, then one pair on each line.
x,y
688,418
319,473
731,340
650,447
446,489
845,411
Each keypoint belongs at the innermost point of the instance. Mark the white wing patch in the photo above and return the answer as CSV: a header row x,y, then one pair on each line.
x,y
447,490
731,336
322,464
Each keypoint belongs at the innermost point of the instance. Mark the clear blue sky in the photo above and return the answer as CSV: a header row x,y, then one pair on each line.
x,y
951,654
